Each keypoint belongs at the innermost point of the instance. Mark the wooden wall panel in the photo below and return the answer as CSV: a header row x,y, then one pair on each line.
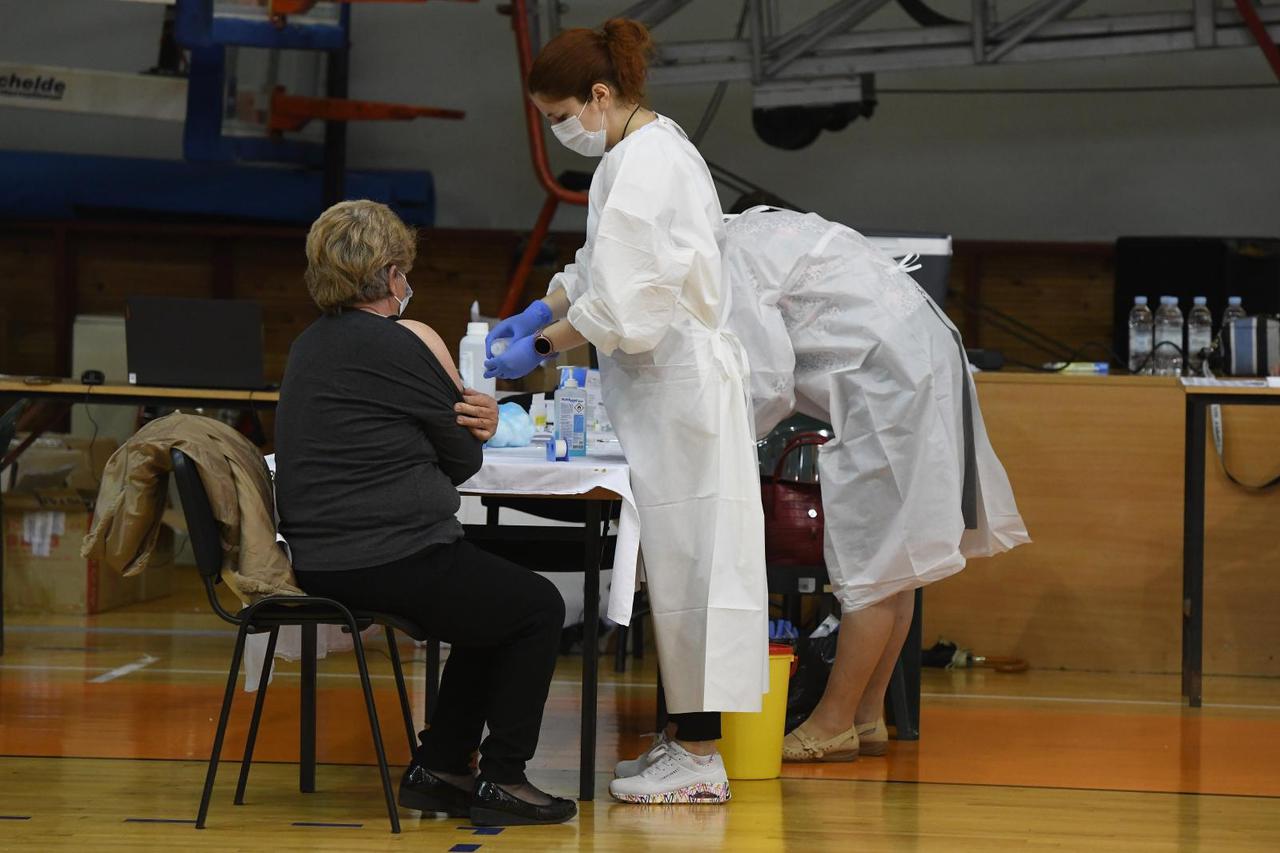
x,y
27,339
1062,291
1096,467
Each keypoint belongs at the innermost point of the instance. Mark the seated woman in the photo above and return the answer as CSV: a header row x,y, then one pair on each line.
x,y
374,432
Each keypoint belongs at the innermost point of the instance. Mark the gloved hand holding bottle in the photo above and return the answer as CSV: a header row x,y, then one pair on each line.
x,y
521,325
519,360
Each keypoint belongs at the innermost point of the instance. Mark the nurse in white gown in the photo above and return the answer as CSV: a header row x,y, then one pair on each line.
x,y
647,291
911,487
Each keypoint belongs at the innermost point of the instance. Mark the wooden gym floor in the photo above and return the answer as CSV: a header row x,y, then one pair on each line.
x,y
105,723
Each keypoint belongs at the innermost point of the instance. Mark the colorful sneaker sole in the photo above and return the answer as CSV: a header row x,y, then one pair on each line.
x,y
703,793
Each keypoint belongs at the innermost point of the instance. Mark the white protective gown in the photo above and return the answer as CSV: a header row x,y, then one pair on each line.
x,y
839,331
647,290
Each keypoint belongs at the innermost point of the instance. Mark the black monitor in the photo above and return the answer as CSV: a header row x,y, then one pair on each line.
x,y
194,343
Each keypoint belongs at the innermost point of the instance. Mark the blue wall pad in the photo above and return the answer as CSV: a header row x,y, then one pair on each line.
x,y
39,185
197,26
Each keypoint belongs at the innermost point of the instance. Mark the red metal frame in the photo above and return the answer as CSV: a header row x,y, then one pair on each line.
x,y
281,9
1260,34
556,193
291,112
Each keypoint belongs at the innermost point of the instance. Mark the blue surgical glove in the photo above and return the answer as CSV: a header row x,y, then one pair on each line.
x,y
518,361
522,325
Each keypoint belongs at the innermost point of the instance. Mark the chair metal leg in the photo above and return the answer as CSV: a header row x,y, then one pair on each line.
x,y
374,728
258,702
433,681
232,675
393,651
307,713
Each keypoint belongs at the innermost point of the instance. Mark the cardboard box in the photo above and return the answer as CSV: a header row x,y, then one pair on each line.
x,y
46,516
43,569
56,460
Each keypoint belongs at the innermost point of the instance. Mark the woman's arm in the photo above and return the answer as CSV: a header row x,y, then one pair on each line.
x,y
558,301
477,412
563,336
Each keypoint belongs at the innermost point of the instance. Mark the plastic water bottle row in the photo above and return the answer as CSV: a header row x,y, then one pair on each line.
x,y
1156,341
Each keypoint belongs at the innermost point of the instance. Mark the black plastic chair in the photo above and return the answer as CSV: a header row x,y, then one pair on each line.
x,y
270,614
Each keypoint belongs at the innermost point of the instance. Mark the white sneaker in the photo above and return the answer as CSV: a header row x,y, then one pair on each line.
x,y
677,776
636,766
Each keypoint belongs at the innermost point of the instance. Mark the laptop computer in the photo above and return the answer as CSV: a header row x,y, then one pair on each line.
x,y
194,343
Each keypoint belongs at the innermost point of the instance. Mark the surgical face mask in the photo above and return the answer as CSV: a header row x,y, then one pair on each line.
x,y
575,137
408,294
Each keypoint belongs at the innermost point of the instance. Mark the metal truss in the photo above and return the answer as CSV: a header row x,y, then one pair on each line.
x,y
829,58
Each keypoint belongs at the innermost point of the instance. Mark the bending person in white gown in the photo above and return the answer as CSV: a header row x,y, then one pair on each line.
x,y
911,488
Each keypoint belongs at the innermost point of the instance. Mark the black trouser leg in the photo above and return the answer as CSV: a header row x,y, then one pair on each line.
x,y
704,725
503,623
458,719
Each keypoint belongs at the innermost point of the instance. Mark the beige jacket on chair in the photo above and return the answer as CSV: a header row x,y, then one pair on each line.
x,y
134,492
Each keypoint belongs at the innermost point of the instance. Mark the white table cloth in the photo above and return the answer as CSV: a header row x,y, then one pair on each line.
x,y
525,471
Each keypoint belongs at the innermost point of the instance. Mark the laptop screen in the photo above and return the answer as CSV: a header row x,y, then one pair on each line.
x,y
194,343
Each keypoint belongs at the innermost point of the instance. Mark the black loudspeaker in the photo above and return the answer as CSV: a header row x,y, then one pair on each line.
x,y
1187,267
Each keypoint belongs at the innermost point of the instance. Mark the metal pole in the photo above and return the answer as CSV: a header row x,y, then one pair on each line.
x,y
757,22
335,132
1049,11
979,31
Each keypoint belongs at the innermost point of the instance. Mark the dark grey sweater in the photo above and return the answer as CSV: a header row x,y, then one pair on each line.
x,y
368,449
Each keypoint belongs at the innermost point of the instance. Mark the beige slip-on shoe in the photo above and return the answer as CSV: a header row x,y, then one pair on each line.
x,y
800,746
873,738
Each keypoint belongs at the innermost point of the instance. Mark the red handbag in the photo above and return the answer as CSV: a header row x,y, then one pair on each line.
x,y
793,518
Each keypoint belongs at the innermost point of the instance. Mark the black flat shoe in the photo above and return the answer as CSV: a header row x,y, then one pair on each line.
x,y
492,806
423,790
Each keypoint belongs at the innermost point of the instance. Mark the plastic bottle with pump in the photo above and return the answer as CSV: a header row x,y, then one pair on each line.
x,y
1168,338
471,356
1141,336
1199,335
571,416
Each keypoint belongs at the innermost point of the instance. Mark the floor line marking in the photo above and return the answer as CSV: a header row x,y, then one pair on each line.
x,y
328,825
414,678
14,817
1088,701
112,674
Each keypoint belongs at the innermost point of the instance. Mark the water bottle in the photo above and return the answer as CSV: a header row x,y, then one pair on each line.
x,y
1141,332
471,359
1199,335
1235,311
1168,338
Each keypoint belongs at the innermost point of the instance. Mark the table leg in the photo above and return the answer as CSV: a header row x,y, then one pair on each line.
x,y
590,650
3,533
1193,553
307,713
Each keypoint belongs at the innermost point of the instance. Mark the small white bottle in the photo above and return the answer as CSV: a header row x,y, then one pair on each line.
x,y
471,358
1199,335
571,416
1141,336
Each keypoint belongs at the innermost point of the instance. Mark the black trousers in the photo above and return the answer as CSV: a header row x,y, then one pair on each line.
x,y
701,725
503,624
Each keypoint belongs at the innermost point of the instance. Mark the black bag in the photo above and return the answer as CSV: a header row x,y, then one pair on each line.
x,y
1251,347
814,660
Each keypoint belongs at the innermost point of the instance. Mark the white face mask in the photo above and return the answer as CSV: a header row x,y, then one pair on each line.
x,y
575,137
408,294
